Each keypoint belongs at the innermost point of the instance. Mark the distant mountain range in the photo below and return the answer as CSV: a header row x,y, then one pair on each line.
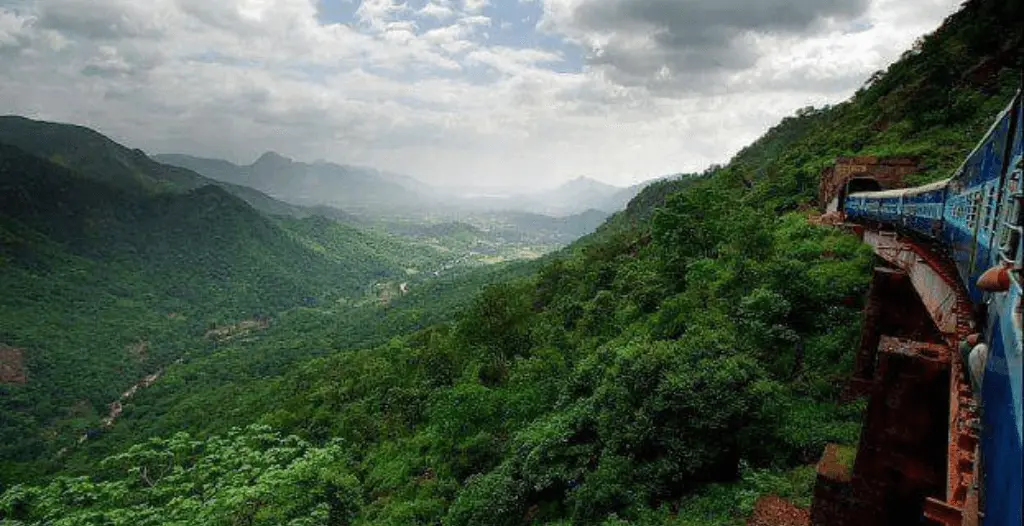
x,y
574,197
90,153
369,192
358,190
361,197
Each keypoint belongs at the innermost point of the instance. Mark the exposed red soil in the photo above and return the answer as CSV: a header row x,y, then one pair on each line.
x,y
12,366
774,511
830,466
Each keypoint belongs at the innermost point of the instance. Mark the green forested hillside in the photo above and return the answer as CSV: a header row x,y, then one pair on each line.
x,y
496,236
106,284
340,242
668,369
94,156
935,102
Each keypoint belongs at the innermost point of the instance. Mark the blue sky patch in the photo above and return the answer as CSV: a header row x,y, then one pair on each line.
x,y
513,24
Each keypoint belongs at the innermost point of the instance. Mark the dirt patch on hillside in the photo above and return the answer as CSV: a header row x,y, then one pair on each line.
x,y
242,328
12,365
835,463
116,408
773,511
138,350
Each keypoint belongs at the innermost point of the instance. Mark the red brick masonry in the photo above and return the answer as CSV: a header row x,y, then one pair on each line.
x,y
887,171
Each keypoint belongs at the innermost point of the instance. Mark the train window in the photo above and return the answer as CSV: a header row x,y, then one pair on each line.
x,y
972,212
1008,238
989,222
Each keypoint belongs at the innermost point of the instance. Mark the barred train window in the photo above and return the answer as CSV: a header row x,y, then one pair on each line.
x,y
990,209
972,212
1008,239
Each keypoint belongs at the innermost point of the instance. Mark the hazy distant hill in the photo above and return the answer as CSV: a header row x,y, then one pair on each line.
x,y
581,191
514,225
95,156
579,195
373,193
351,188
573,197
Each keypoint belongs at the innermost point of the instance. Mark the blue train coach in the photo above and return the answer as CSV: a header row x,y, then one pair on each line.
x,y
977,217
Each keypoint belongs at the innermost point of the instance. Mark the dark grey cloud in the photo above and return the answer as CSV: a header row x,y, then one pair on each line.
x,y
110,20
128,62
665,43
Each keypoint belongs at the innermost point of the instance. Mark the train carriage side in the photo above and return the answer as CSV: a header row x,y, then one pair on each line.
x,y
890,206
971,205
855,207
881,207
1001,394
922,209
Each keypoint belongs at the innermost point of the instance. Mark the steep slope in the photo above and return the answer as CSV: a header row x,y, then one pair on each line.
x,y
104,284
94,155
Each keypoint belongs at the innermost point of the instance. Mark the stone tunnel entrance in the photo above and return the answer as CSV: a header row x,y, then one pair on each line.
x,y
862,184
877,173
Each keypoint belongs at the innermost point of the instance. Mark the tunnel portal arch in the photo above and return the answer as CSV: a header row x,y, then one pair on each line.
x,y
854,185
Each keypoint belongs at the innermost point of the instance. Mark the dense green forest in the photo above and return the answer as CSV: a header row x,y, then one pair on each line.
x,y
667,369
107,283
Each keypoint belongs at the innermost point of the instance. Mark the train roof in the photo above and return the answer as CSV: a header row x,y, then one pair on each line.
x,y
930,187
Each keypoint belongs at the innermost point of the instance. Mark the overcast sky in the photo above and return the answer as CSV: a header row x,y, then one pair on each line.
x,y
454,92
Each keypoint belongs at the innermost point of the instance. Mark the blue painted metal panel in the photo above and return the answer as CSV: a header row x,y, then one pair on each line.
x,y
1001,451
922,212
1002,394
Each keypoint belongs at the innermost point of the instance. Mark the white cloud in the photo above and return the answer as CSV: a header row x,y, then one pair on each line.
x,y
236,77
440,10
14,30
475,6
